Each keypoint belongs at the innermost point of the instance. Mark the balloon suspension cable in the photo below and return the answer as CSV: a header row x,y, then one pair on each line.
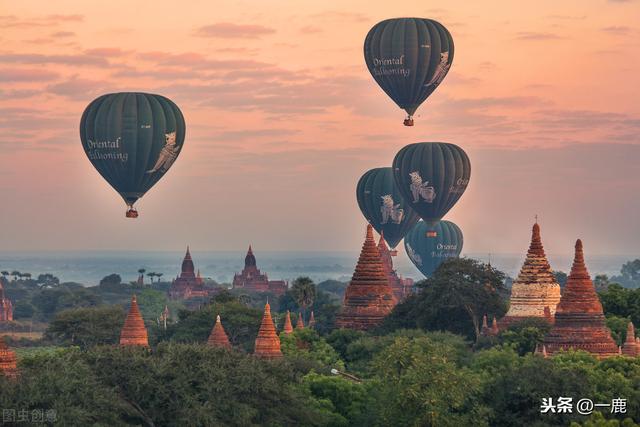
x,y
131,212
408,121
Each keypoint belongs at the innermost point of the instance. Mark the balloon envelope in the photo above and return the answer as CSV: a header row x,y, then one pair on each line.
x,y
408,58
427,246
431,176
383,206
132,139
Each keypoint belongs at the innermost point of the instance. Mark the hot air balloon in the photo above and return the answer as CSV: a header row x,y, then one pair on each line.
x,y
408,58
383,206
431,176
132,139
429,245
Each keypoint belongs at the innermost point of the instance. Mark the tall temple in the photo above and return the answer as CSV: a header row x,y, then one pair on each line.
x,y
631,347
401,287
535,293
6,307
579,320
368,297
252,279
267,342
218,337
8,360
188,284
134,333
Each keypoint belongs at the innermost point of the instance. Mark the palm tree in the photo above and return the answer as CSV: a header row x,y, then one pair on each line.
x,y
141,272
303,291
15,274
151,275
159,275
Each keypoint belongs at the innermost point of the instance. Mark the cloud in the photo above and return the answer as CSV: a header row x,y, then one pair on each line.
x,y
26,75
12,21
531,35
227,30
78,89
63,34
36,58
617,30
335,15
311,29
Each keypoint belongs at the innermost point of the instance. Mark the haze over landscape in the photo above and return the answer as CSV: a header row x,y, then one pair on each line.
x,y
283,117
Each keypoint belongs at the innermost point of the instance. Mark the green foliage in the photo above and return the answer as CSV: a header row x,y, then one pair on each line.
x,y
524,336
618,327
303,291
112,281
86,327
49,301
325,308
240,322
455,298
629,274
621,302
306,343
561,278
334,288
340,339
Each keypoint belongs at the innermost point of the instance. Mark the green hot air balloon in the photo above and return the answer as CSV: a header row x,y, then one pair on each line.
x,y
132,139
408,58
383,206
429,245
431,176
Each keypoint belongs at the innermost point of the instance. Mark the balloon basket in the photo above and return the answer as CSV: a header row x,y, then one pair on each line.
x,y
132,213
408,121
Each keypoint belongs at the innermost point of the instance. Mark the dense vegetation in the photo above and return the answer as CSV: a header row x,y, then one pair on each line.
x,y
425,366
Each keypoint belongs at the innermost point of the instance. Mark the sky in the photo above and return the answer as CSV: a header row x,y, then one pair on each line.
x,y
283,118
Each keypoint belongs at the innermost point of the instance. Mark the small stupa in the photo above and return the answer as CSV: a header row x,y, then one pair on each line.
x,y
579,320
218,337
267,342
631,347
535,293
134,332
8,360
368,297
300,322
312,321
288,327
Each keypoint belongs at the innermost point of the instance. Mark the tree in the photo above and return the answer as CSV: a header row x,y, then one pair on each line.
x,y
111,282
525,336
629,274
47,280
87,327
303,291
15,274
561,278
601,282
151,275
308,344
159,276
455,298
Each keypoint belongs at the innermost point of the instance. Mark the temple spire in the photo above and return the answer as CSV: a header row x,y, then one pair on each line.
x,y
579,319
300,322
288,328
368,297
218,337
8,360
267,342
630,346
312,320
134,332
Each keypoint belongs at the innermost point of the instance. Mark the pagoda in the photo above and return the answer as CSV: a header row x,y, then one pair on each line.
x,y
535,293
218,337
8,360
252,279
6,307
368,297
312,320
188,284
267,342
487,331
631,347
579,320
401,287
300,322
134,332
288,327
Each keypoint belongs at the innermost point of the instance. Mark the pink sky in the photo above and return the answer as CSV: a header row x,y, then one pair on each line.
x,y
283,118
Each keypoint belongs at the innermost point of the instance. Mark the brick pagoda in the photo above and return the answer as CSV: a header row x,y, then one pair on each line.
x,y
288,327
579,320
188,284
267,342
218,337
401,287
6,307
535,293
300,322
368,297
8,360
134,332
252,279
631,347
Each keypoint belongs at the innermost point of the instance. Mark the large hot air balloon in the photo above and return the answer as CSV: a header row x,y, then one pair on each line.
x,y
383,206
408,58
429,245
431,176
132,139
